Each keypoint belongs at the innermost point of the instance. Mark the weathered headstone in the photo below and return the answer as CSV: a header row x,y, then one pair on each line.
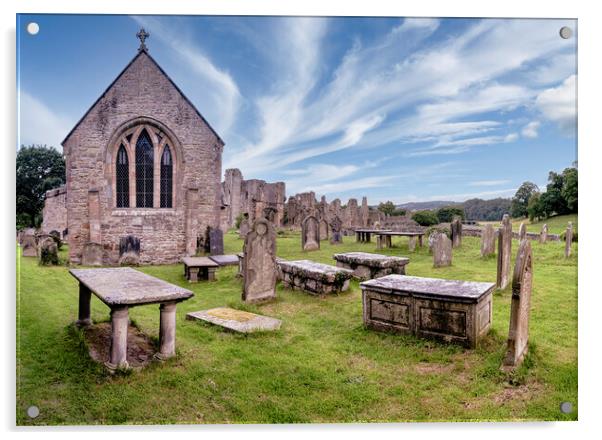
x,y
412,244
456,232
236,320
487,241
522,231
28,245
323,229
243,229
129,250
543,237
442,250
522,280
259,267
568,240
504,252
92,254
216,241
310,234
336,237
48,251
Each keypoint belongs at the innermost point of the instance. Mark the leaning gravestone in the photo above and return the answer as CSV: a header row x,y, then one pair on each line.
x,y
28,245
522,280
335,230
243,229
323,229
569,240
442,250
456,232
487,241
504,252
48,251
259,268
522,231
543,237
310,234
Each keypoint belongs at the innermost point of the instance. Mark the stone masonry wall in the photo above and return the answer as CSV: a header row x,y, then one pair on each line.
x,y
54,214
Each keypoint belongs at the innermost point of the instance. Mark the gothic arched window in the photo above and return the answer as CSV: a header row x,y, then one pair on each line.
x,y
144,171
122,173
166,178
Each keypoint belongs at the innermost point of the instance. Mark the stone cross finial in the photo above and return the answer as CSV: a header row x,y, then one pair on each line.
x,y
142,36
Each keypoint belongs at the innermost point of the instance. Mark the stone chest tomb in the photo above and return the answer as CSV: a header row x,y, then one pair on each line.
x,y
142,162
446,310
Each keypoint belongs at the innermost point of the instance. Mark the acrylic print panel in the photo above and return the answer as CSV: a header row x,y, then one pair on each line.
x,y
164,162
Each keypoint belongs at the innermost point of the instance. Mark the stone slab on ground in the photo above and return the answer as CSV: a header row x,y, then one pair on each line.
x,y
367,266
236,320
225,260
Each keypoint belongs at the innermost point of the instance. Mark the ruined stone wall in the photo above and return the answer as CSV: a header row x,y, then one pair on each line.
x,y
54,214
143,94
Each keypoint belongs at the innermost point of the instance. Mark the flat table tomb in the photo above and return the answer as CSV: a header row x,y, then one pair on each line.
x,y
314,278
199,268
366,266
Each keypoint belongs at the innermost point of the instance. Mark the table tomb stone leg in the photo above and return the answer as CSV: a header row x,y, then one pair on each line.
x,y
167,331
119,338
83,318
211,273
420,240
193,274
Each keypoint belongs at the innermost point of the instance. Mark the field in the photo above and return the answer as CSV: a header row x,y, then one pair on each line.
x,y
322,366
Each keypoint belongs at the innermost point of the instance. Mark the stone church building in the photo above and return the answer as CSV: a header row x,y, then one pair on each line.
x,y
143,171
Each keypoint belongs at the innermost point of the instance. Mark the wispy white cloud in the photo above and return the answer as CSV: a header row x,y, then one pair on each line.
x,y
531,129
559,104
39,124
489,182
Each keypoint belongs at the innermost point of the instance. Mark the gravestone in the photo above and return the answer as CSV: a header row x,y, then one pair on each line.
x,y
236,320
336,237
48,251
522,280
215,242
569,240
310,234
504,252
456,232
92,254
129,250
323,229
522,231
442,250
243,229
269,213
28,245
488,241
412,244
259,268
543,237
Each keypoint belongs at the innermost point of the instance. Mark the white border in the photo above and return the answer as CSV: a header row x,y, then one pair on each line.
x,y
589,163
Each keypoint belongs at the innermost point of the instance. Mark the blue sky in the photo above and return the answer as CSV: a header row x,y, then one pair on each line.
x,y
401,109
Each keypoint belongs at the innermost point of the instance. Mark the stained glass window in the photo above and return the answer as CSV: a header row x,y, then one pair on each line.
x,y
123,178
144,171
166,178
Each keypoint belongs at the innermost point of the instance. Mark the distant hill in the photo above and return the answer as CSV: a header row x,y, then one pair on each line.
x,y
418,206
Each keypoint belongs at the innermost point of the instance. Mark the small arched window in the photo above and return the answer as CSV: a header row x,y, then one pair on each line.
x,y
166,178
122,178
144,171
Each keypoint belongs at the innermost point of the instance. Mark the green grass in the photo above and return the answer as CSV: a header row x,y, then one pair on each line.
x,y
556,224
322,366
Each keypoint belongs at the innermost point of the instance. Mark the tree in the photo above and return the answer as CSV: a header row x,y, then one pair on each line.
x,y
39,168
388,207
425,218
520,201
447,213
569,188
552,200
535,207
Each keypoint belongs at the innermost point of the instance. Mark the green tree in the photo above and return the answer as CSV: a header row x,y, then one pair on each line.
x,y
39,168
387,207
552,200
447,213
425,218
535,207
569,188
520,201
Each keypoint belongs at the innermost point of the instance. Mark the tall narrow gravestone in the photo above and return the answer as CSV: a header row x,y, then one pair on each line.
x,y
569,240
456,232
504,251
323,229
488,241
522,280
442,250
259,262
243,229
522,231
335,228
310,234
543,237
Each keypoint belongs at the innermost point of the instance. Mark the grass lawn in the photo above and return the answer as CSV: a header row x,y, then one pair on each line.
x,y
556,224
322,366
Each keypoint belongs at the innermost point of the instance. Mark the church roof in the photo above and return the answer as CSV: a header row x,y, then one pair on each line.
x,y
139,54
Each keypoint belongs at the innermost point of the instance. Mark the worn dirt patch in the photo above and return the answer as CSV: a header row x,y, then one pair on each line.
x,y
523,392
140,349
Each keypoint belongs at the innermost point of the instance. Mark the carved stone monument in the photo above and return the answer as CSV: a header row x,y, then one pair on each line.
x,y
456,232
259,262
442,250
569,240
323,229
310,233
518,335
28,245
522,231
543,237
504,252
488,241
336,237
129,250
